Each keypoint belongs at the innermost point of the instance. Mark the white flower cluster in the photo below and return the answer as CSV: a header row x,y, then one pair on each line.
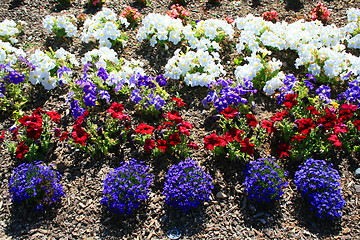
x,y
206,34
104,27
44,65
157,27
196,68
119,70
100,55
320,48
274,83
163,29
60,26
8,31
352,29
249,70
9,54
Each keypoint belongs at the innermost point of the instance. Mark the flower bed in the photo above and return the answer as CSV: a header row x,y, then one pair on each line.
x,y
114,108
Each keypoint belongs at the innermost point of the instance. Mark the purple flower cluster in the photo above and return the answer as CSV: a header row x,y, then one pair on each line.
x,y
11,77
37,184
352,94
146,92
264,180
187,185
226,93
324,93
126,187
91,92
76,110
289,83
319,184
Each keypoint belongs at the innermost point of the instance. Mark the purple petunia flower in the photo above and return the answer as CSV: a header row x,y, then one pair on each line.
x,y
324,93
104,95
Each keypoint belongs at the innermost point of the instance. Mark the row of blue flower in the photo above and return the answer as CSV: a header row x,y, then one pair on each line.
x,y
186,185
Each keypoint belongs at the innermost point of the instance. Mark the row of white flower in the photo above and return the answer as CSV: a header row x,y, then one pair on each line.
x,y
320,48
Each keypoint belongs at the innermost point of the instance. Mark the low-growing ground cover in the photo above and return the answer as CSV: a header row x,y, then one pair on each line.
x,y
224,92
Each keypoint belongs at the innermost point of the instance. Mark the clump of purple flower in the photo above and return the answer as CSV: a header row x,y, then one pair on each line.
x,y
225,93
187,185
36,184
126,187
319,184
264,180
352,94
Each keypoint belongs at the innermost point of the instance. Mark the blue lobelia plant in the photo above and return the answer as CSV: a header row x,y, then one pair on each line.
x,y
126,187
319,184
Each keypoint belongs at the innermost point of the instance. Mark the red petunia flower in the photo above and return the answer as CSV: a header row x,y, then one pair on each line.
x,y
283,150
335,139
279,116
233,134
79,135
269,126
229,112
34,130
179,101
290,100
305,125
345,115
173,116
298,137
174,139
251,120
144,129
165,125
116,110
54,116
329,120
213,140
81,118
2,136
340,128
357,124
162,145
21,150
183,130
187,124
64,135
193,145
149,145
247,147
313,110
350,107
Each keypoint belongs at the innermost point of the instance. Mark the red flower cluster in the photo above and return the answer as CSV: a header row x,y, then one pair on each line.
x,y
116,111
229,112
178,11
213,140
79,134
271,16
33,124
320,13
34,127
173,132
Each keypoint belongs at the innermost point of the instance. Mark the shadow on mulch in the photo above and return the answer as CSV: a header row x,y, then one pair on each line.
x,y
322,227
56,43
262,216
24,218
157,56
187,224
120,225
294,5
15,4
